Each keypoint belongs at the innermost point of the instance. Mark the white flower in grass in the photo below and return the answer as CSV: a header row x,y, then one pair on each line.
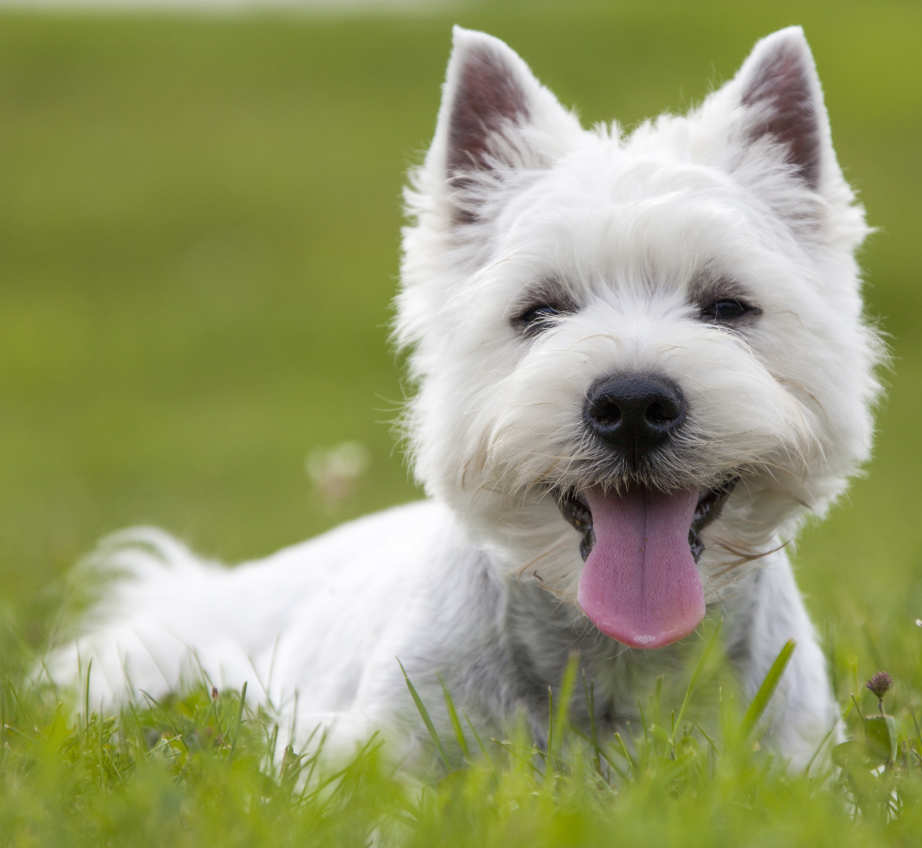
x,y
335,470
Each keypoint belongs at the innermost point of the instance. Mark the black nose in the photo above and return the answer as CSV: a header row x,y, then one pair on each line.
x,y
634,413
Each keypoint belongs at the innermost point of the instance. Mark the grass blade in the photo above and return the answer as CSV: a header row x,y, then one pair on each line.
x,y
476,735
819,749
86,693
424,714
557,718
589,692
702,663
243,699
767,689
455,721
625,752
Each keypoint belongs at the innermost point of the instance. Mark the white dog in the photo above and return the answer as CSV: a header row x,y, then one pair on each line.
x,y
641,361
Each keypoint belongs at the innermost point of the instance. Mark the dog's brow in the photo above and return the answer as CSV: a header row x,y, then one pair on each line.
x,y
710,283
551,290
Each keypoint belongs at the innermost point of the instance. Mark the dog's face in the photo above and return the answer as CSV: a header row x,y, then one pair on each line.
x,y
640,359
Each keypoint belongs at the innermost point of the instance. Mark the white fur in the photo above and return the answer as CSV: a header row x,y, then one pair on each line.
x,y
477,586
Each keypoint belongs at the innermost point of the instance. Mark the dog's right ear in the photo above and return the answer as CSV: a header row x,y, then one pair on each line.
x,y
495,119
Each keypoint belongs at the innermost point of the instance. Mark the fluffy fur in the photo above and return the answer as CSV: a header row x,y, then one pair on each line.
x,y
629,238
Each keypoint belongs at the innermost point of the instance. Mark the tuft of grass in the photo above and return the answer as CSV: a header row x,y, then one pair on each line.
x,y
205,768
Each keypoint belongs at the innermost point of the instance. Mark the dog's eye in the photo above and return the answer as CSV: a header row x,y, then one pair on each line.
x,y
726,310
537,318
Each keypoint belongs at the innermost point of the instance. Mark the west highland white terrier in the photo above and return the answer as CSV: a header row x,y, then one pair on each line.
x,y
640,362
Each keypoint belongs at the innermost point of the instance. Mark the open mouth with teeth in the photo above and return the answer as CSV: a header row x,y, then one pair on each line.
x,y
640,582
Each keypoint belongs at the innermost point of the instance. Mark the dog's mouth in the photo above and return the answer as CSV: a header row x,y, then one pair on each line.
x,y
640,582
574,509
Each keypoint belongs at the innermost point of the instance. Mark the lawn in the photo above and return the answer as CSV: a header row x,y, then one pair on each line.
x,y
199,225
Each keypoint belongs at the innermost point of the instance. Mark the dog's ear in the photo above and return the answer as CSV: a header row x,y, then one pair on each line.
x,y
768,126
780,92
495,118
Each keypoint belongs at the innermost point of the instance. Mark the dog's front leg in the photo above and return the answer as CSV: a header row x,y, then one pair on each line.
x,y
802,710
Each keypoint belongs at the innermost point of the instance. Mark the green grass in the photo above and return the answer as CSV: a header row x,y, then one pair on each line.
x,y
199,232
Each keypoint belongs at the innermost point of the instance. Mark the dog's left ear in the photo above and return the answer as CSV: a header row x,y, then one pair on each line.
x,y
495,119
780,92
771,123
778,117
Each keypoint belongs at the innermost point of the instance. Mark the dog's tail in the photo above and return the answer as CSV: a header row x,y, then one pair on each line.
x,y
154,599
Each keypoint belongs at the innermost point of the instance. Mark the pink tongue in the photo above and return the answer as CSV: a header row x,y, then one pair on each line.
x,y
640,584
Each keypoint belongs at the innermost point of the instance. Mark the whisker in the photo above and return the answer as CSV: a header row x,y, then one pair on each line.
x,y
550,549
744,556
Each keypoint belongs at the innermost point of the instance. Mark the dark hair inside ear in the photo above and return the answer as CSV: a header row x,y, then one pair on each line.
x,y
781,84
487,96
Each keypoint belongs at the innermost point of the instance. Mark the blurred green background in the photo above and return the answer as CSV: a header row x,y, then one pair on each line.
x,y
199,227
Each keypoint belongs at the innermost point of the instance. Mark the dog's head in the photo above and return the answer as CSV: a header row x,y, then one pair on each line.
x,y
641,359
